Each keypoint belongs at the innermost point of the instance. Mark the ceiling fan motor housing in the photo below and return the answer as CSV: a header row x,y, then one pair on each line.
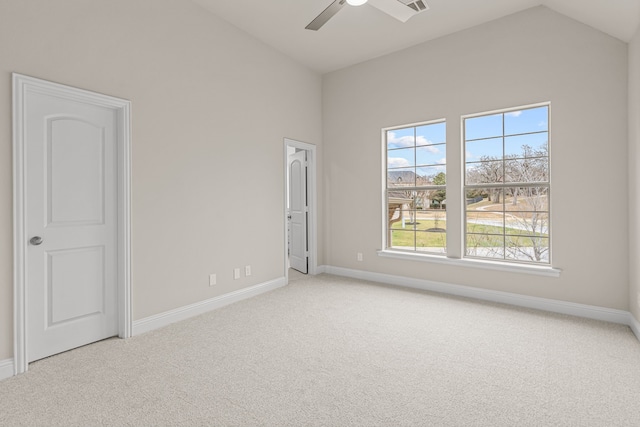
x,y
401,10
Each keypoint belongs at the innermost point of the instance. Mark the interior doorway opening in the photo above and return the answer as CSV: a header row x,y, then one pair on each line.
x,y
300,208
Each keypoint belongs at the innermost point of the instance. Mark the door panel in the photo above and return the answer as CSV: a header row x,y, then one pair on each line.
x,y
76,284
298,211
75,172
71,203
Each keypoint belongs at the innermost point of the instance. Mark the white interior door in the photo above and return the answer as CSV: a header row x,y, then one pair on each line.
x,y
298,208
71,223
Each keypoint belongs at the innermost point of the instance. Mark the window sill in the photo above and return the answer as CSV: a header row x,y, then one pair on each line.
x,y
474,263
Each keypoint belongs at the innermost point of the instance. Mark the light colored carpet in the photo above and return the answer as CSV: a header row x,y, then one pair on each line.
x,y
330,351
295,275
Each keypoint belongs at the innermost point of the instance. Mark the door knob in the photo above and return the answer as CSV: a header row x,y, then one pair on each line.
x,y
36,240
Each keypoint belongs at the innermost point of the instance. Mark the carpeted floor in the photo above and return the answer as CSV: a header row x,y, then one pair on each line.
x,y
330,351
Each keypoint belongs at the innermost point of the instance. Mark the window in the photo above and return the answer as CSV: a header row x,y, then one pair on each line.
x,y
415,188
501,197
506,185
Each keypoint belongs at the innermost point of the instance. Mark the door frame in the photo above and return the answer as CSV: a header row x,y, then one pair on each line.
x,y
21,86
312,200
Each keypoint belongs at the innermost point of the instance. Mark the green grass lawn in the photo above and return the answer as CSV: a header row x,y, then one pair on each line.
x,y
487,235
424,238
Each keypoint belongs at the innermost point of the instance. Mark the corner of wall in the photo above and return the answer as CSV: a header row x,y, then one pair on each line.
x,y
6,369
634,170
634,325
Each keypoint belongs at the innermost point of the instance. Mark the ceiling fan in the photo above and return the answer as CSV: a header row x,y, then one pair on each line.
x,y
402,10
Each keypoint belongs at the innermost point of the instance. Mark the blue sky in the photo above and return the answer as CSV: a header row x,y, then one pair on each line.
x,y
429,140
483,129
430,147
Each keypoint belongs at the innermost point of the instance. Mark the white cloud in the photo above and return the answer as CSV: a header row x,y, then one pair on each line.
x,y
442,161
397,162
469,155
421,140
430,148
407,141
399,142
542,124
514,114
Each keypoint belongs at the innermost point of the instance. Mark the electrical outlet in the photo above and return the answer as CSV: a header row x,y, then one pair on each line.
x,y
212,279
247,270
236,273
359,256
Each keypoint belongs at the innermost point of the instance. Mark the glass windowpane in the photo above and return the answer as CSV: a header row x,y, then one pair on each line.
x,y
401,158
510,223
484,172
435,199
401,138
485,199
483,127
434,133
527,170
431,155
429,175
485,222
483,150
405,177
433,220
526,121
413,210
531,249
527,199
434,241
531,145
527,223
401,239
485,246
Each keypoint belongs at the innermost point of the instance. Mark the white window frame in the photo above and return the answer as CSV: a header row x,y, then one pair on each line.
x,y
505,185
449,258
385,189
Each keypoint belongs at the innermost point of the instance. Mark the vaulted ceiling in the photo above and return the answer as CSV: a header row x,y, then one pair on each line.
x,y
356,34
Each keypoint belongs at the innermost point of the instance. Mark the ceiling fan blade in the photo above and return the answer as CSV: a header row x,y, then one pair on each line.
x,y
325,15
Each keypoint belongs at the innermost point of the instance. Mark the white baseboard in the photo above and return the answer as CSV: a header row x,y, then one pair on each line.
x,y
6,369
321,269
555,306
163,319
634,325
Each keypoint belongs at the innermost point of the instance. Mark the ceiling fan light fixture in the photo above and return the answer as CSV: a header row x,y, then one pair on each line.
x,y
356,2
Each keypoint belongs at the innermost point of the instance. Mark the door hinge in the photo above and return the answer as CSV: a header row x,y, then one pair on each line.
x,y
306,208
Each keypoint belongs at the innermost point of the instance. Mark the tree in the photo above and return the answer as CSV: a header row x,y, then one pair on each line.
x,y
440,179
534,223
529,203
439,195
488,170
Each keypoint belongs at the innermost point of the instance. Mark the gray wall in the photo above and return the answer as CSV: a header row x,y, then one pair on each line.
x,y
211,106
533,56
634,174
